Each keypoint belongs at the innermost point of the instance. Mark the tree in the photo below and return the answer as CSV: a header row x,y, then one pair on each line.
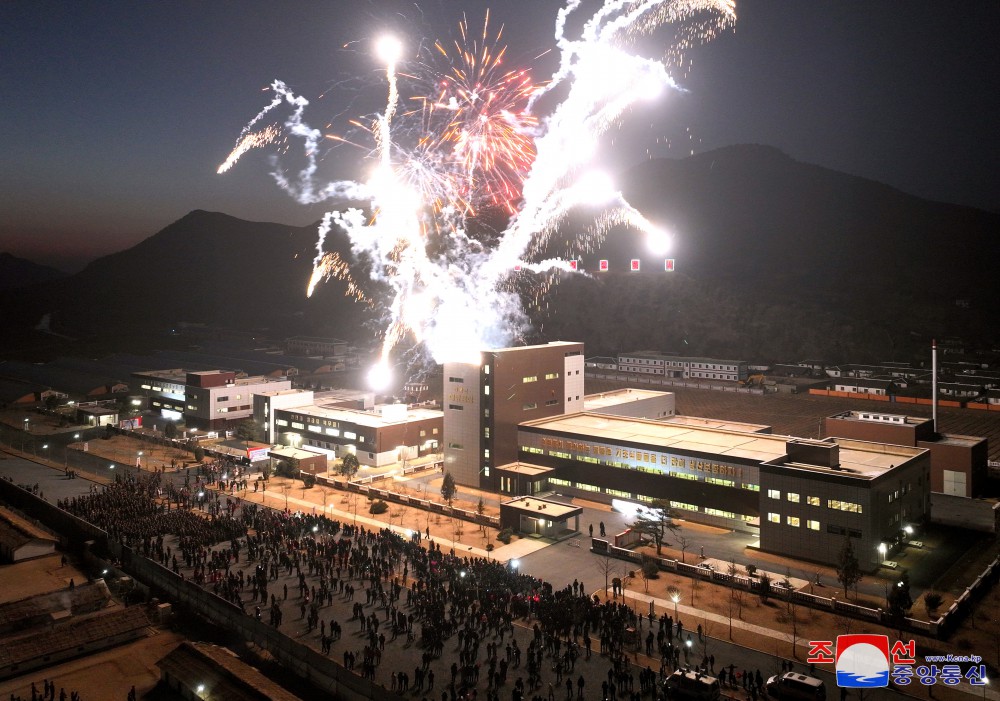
x,y
247,430
848,569
170,430
349,465
656,521
899,600
765,587
650,570
199,454
932,601
448,488
684,544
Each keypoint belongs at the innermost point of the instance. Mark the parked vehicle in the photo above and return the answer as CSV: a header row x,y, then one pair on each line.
x,y
792,686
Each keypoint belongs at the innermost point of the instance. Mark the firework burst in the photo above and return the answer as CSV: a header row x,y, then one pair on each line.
x,y
466,135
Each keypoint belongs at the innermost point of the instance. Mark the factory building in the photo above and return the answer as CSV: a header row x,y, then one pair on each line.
x,y
519,424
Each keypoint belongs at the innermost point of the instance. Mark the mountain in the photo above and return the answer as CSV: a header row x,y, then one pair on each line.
x,y
205,267
774,259
780,259
19,272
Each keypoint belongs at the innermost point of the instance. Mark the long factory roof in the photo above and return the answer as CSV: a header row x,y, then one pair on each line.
x,y
857,458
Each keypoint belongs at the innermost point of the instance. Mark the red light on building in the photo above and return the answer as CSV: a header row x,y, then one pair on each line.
x,y
603,266
668,265
573,264
517,268
635,265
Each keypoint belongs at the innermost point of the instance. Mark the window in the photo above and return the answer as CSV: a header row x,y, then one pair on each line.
x,y
222,399
532,449
486,453
532,378
774,518
486,432
529,405
844,506
296,424
459,380
281,422
793,497
455,446
618,493
812,525
332,432
551,402
812,501
792,521
773,493
486,369
456,407
486,390
350,435
552,376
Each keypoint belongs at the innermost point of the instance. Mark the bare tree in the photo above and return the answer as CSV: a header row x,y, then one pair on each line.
x,y
683,543
609,567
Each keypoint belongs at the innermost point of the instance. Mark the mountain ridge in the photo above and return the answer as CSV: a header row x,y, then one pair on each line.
x,y
754,230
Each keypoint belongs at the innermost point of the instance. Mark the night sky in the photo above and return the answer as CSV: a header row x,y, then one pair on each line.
x,y
117,114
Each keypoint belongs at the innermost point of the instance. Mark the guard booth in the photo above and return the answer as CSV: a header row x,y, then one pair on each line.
x,y
540,517
299,460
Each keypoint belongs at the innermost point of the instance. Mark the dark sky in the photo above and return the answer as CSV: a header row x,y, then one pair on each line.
x,y
116,114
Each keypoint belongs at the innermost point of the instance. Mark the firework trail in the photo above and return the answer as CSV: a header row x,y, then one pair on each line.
x,y
470,136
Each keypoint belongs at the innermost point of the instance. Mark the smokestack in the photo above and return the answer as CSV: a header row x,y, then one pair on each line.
x,y
934,390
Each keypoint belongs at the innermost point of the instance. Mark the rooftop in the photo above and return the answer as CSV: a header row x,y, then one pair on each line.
x,y
860,459
593,402
880,417
372,419
552,509
700,422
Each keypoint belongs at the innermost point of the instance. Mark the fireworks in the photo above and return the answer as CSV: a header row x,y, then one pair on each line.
x,y
463,131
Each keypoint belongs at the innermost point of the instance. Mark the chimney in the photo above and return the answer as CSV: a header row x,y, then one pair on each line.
x,y
934,389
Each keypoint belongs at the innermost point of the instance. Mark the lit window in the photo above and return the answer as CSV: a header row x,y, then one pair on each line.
x,y
812,501
773,494
774,518
350,435
486,390
532,378
812,525
793,521
793,497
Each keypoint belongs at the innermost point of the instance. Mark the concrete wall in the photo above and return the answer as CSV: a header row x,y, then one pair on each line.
x,y
975,514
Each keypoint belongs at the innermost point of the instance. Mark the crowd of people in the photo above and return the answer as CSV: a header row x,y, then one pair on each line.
x,y
412,591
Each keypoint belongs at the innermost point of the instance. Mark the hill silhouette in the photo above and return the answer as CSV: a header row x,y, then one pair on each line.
x,y
20,272
775,259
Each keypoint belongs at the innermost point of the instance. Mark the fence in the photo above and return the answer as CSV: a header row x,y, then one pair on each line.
x,y
938,628
364,488
319,670
668,382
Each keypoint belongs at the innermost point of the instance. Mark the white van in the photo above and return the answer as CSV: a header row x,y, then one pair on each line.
x,y
792,686
684,684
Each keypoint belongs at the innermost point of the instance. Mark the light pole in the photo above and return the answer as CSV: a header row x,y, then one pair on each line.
x,y
138,460
675,598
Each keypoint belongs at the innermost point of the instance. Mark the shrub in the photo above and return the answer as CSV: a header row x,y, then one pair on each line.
x,y
378,507
932,601
751,570
199,454
505,535
650,570
309,481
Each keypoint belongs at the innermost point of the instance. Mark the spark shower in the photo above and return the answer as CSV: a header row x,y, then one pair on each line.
x,y
462,133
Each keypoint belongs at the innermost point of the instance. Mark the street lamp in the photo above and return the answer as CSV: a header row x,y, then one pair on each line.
x,y
138,459
675,598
